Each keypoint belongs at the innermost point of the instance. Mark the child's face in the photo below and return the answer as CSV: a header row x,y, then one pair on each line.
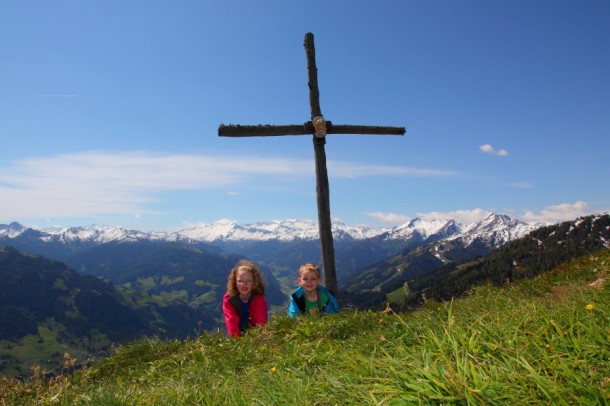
x,y
309,281
245,282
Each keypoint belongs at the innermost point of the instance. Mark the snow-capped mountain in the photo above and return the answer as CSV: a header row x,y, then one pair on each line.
x,y
497,226
94,234
12,230
422,230
483,236
227,230
284,244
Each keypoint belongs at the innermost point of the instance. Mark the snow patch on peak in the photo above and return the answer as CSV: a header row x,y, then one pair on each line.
x,y
12,230
425,229
497,227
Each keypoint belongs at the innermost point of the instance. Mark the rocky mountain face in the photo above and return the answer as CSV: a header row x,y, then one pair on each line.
x,y
449,243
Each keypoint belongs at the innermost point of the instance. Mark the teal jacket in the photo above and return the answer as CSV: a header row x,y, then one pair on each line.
x,y
297,302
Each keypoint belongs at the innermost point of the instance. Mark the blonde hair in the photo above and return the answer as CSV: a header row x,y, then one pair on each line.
x,y
258,285
309,267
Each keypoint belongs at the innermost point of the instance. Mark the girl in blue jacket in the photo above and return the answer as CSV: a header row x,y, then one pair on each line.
x,y
311,297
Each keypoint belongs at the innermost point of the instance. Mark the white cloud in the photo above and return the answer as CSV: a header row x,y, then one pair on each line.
x,y
461,216
489,149
100,183
389,218
557,213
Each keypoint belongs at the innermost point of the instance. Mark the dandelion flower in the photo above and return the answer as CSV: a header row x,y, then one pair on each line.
x,y
589,307
273,369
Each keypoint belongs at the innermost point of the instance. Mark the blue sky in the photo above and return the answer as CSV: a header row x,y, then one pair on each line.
x,y
109,110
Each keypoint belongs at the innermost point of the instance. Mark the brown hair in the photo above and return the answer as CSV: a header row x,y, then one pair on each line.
x,y
258,286
309,267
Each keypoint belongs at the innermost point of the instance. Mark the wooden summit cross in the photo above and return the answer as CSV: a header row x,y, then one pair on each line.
x,y
318,127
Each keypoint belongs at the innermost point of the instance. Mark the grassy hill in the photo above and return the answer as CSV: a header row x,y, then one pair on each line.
x,y
538,341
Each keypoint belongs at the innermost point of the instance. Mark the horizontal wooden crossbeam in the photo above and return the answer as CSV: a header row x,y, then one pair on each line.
x,y
306,128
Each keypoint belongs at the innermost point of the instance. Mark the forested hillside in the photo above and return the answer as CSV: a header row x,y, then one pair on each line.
x,y
47,309
538,252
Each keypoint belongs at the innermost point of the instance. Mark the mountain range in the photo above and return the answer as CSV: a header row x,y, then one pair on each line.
x,y
280,247
225,231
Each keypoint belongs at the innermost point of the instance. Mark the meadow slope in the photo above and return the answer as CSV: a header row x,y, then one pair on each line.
x,y
539,341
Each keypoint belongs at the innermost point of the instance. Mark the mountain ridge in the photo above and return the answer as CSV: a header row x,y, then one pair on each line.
x,y
281,246
286,230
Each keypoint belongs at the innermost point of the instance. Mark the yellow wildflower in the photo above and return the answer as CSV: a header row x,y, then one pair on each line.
x,y
589,307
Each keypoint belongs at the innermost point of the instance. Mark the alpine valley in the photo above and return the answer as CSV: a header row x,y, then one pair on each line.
x,y
78,290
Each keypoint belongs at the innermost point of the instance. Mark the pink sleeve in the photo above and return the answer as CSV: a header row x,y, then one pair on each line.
x,y
258,311
231,317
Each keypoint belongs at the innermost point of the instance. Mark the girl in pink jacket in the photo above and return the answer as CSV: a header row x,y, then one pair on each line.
x,y
244,305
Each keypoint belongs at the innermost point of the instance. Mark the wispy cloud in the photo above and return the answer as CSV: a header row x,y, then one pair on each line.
x,y
489,149
98,183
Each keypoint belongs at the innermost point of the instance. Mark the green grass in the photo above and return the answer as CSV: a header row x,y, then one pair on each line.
x,y
535,342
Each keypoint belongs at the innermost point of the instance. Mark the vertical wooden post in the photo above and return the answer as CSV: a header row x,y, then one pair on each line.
x,y
322,189
312,74
324,224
